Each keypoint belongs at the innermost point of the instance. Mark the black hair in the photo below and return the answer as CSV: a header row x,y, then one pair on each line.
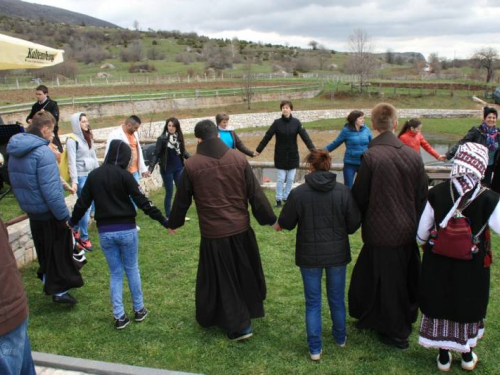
x,y
177,125
286,102
205,129
413,123
133,120
43,89
488,110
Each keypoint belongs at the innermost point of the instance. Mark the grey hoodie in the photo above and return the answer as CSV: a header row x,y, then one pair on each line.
x,y
81,160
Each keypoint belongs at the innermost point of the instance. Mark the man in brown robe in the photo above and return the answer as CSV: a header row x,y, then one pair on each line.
x,y
230,285
391,191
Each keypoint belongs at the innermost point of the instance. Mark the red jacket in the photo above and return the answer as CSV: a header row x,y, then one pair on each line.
x,y
415,140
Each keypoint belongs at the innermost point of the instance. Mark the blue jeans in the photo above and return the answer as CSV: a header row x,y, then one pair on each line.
x,y
121,250
335,290
83,224
289,176
349,171
15,352
169,177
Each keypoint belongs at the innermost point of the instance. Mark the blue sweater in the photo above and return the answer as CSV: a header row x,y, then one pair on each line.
x,y
34,177
356,143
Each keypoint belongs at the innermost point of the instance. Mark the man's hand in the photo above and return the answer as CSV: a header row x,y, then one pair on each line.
x,y
276,227
172,231
255,153
146,174
30,121
442,158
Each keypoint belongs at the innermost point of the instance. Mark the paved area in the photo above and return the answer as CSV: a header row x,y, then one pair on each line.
x,y
52,371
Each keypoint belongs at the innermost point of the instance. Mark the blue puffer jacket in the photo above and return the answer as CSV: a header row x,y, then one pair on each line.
x,y
356,143
34,177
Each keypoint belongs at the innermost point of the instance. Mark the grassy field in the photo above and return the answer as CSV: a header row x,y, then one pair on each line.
x,y
170,337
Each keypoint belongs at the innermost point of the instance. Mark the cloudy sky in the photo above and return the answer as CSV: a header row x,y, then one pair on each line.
x,y
447,27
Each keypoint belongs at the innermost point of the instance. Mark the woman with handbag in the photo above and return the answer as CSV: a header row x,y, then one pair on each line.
x,y
455,277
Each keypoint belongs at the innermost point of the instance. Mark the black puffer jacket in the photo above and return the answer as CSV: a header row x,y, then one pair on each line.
x,y
476,135
286,151
326,214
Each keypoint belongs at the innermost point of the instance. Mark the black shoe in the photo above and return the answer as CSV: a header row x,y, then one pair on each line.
x,y
236,336
122,322
278,204
65,298
141,315
395,342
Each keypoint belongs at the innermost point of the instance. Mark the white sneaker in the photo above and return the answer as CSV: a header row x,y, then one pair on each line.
x,y
315,357
471,365
187,219
138,228
446,366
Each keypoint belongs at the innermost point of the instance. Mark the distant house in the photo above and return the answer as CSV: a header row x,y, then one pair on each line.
x,y
426,68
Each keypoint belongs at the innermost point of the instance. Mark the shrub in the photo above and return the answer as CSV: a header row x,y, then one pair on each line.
x,y
183,57
68,69
142,68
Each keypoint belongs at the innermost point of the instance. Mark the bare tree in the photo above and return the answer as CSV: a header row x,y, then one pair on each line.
x,y
313,44
486,58
136,25
248,80
323,56
389,56
435,64
361,61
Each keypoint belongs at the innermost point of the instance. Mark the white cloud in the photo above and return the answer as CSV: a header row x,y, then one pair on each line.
x,y
450,27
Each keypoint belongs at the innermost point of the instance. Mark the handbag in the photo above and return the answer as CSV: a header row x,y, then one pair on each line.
x,y
456,240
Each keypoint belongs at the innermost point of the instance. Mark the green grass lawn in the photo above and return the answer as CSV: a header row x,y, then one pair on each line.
x,y
170,337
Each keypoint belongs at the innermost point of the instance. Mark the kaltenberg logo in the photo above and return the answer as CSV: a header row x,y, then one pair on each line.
x,y
37,55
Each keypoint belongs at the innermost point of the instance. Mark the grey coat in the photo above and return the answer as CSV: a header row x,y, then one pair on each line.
x,y
82,159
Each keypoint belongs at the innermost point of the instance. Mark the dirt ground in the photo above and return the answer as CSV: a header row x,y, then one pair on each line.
x,y
28,95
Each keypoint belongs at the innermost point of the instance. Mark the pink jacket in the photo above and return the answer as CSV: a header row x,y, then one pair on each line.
x,y
415,140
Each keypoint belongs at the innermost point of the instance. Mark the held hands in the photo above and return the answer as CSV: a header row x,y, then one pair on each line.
x,y
255,153
442,158
146,174
277,227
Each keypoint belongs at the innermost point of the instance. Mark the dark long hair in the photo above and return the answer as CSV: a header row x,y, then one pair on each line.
x,y
180,136
413,123
87,134
352,117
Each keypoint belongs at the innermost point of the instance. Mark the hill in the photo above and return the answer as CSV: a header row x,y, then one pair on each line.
x,y
31,11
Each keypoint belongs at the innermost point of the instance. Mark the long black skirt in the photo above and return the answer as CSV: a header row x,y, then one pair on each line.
x,y
383,293
230,285
54,248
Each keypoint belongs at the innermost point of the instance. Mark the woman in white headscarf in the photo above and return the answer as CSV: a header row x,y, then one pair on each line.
x,y
454,288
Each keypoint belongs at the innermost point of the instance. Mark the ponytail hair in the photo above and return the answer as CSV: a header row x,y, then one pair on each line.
x,y
319,160
413,123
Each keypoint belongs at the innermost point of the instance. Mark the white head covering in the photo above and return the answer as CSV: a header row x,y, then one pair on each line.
x,y
469,166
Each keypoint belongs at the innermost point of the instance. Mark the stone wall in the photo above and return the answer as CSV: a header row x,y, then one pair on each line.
x,y
20,237
250,120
